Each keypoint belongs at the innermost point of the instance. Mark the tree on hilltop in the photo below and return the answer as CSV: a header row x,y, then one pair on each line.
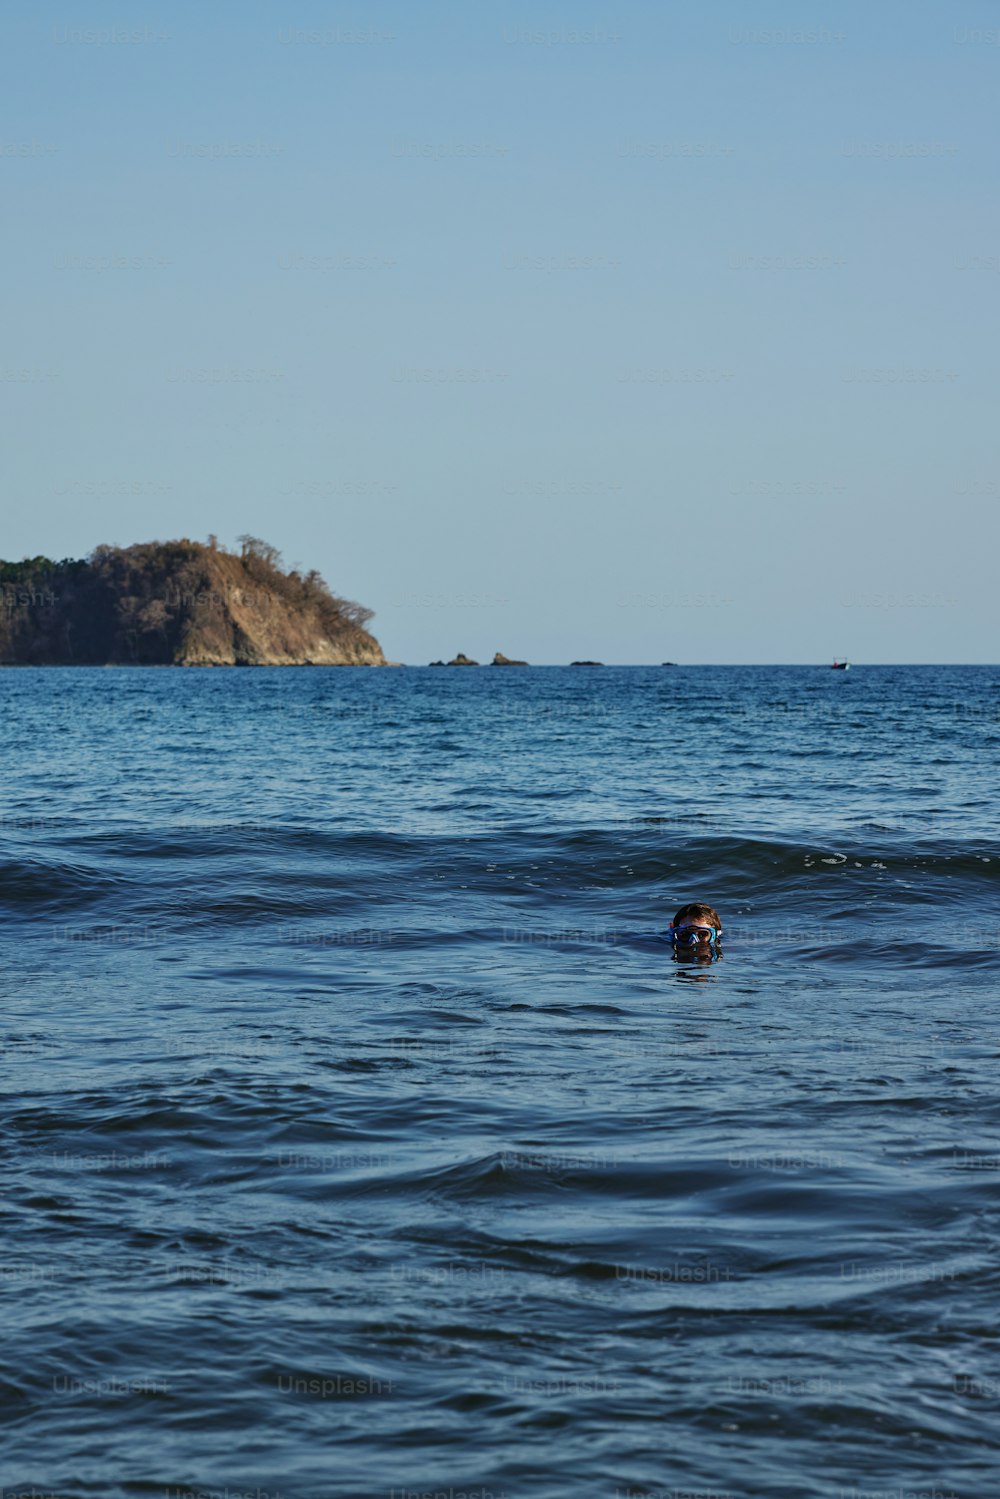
x,y
262,551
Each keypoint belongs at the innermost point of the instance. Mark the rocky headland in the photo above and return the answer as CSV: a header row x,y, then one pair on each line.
x,y
177,603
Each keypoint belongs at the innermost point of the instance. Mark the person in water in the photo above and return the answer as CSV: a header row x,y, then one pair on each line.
x,y
696,931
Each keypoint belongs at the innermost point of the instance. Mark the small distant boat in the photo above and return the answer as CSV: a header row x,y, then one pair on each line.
x,y
841,666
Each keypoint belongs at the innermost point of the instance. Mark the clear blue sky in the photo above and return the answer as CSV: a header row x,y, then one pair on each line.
x,y
628,331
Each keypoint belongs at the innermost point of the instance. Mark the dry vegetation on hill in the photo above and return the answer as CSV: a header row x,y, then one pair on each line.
x,y
179,603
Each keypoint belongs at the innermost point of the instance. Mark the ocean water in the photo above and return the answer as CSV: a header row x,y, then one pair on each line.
x,y
363,1137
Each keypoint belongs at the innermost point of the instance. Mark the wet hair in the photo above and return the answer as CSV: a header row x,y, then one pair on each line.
x,y
697,911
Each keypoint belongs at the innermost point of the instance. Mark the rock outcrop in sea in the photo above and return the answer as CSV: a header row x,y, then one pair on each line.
x,y
501,660
463,660
177,603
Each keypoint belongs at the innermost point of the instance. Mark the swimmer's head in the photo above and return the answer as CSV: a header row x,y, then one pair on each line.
x,y
695,924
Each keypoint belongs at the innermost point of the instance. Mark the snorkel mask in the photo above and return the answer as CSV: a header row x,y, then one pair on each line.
x,y
695,936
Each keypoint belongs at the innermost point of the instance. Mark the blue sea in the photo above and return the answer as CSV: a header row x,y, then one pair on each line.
x,y
362,1136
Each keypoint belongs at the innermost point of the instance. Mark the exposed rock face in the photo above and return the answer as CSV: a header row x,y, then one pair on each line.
x,y
501,660
177,603
463,660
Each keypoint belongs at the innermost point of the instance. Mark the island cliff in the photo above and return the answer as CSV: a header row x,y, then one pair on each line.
x,y
177,603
